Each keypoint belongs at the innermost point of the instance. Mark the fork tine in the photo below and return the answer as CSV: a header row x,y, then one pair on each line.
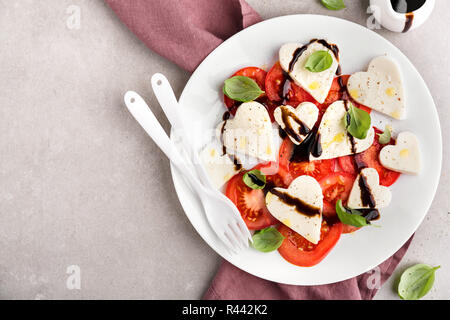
x,y
230,247
233,239
237,232
244,230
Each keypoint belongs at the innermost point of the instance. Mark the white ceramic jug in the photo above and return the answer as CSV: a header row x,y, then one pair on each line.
x,y
400,22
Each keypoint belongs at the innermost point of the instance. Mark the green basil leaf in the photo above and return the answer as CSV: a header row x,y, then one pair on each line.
x,y
357,122
255,179
334,4
385,137
351,217
241,89
319,61
267,240
416,281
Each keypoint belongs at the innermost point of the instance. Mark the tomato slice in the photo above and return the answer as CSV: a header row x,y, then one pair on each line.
x,y
336,94
285,153
349,229
329,211
296,95
300,252
335,186
276,176
250,203
370,159
257,74
274,82
347,164
316,169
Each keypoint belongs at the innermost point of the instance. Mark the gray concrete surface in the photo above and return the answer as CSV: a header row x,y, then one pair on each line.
x,y
82,185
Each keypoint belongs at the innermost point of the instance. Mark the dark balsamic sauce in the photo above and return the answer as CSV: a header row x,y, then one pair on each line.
x,y
255,179
350,137
310,146
367,198
300,206
334,48
409,21
287,116
298,52
370,214
405,6
282,133
226,116
233,158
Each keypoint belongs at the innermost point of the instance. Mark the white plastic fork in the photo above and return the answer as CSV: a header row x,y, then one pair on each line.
x,y
166,98
221,213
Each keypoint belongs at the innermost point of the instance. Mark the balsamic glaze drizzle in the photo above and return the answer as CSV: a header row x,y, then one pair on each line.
x,y
300,206
288,116
298,52
350,137
367,198
255,179
409,21
233,158
311,145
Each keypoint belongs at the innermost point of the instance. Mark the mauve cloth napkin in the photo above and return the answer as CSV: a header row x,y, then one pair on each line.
x,y
185,32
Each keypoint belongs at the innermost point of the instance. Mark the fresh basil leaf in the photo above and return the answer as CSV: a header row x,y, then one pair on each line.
x,y
385,137
334,4
357,122
416,281
351,217
267,240
319,61
241,89
255,179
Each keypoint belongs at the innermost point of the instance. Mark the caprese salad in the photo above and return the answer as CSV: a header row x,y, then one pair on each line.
x,y
297,154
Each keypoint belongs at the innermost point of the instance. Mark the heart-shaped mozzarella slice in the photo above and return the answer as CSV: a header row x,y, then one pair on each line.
x,y
220,167
380,88
334,139
404,156
367,192
293,57
297,122
250,132
299,207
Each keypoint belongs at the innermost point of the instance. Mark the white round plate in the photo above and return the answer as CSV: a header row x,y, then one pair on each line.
x,y
355,253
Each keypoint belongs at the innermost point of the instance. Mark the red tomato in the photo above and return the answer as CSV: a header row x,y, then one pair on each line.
x,y
274,82
347,164
370,159
336,93
349,229
257,74
250,203
316,169
297,95
329,211
270,106
337,186
276,176
300,252
285,153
